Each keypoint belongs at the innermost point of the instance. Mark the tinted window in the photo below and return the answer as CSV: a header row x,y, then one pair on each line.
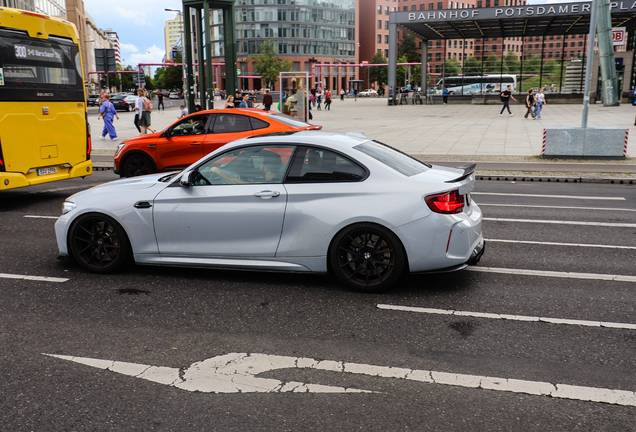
x,y
289,121
226,123
401,162
258,123
315,165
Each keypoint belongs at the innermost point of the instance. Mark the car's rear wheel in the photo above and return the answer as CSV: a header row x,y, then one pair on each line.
x,y
367,257
128,108
136,165
98,243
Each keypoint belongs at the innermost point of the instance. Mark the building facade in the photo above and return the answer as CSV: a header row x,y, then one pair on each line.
x,y
55,8
114,39
19,4
172,36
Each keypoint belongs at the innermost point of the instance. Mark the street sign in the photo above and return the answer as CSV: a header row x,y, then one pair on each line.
x,y
105,60
618,36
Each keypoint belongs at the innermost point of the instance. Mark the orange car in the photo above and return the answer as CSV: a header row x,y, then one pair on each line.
x,y
196,135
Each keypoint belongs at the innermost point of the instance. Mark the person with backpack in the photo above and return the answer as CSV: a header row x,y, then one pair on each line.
x,y
505,98
530,103
147,111
139,108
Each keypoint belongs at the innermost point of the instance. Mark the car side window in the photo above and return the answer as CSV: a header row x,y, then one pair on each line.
x,y
192,125
246,165
227,123
317,165
258,123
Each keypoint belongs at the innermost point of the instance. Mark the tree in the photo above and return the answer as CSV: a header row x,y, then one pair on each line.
x,y
451,67
169,77
400,72
408,49
472,66
378,74
267,64
511,63
492,64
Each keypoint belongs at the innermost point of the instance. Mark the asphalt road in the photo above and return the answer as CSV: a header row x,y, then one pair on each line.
x,y
172,318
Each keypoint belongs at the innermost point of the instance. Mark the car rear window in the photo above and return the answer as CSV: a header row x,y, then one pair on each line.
x,y
401,162
289,121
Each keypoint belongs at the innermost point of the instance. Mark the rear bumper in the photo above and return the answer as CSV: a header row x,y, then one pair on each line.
x,y
477,253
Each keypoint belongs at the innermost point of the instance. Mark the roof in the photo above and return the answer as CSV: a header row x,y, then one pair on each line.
x,y
510,21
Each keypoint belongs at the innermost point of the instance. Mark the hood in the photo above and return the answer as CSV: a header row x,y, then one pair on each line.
x,y
127,184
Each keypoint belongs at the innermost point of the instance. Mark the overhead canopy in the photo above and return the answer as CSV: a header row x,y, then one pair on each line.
x,y
510,21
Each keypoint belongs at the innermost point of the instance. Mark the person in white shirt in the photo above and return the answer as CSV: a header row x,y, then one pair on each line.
x,y
139,107
184,111
540,97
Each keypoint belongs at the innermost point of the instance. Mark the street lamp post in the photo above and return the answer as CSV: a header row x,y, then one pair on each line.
x,y
183,67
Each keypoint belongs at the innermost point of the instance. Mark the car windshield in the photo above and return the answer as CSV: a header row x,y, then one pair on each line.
x,y
289,121
401,162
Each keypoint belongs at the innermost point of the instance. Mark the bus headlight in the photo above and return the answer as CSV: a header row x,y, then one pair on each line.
x,y
67,207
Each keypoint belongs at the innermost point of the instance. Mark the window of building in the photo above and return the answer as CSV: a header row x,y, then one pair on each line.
x,y
386,10
386,25
429,57
455,43
438,43
440,5
558,44
580,44
437,68
479,3
550,54
405,8
413,7
438,56
422,6
386,53
431,6
379,38
471,44
379,24
386,39
379,9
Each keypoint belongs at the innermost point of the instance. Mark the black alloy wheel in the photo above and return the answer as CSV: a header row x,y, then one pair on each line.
x,y
136,165
98,243
128,108
367,257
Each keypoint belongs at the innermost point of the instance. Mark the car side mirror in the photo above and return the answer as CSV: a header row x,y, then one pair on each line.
x,y
187,179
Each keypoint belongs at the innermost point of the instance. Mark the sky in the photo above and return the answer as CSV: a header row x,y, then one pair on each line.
x,y
138,23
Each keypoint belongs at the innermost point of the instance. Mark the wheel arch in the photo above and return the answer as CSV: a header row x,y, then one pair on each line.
x,y
352,224
133,152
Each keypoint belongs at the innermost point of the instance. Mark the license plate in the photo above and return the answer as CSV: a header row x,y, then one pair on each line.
x,y
45,171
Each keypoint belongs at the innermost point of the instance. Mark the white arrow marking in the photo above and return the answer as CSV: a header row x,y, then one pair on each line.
x,y
236,373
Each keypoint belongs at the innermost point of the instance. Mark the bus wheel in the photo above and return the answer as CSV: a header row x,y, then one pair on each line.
x,y
136,165
99,244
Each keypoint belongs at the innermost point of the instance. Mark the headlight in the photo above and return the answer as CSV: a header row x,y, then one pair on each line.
x,y
119,147
68,206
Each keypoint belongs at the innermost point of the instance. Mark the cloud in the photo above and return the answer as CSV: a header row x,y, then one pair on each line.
x,y
128,48
138,17
153,54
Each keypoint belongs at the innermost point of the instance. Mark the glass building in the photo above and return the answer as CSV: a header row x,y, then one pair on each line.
x,y
306,31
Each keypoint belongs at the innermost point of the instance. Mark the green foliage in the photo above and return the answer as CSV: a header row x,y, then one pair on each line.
x,y
472,66
408,49
401,72
492,64
378,74
511,63
451,67
169,77
267,64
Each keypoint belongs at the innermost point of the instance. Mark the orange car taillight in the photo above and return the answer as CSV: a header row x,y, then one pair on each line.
x,y
446,203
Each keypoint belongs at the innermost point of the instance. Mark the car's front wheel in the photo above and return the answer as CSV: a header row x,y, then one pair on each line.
x,y
128,108
136,165
98,243
367,257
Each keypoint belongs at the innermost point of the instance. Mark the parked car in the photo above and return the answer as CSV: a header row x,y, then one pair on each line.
x,y
369,92
351,206
92,100
196,135
123,102
174,95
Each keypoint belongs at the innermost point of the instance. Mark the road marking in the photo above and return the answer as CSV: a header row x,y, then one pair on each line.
x,y
34,278
573,275
605,224
41,217
556,207
561,244
510,317
236,373
551,196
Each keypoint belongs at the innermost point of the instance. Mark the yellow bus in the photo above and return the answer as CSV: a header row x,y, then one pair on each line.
x,y
44,130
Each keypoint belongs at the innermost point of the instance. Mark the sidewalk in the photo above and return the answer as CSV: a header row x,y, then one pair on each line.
x,y
445,134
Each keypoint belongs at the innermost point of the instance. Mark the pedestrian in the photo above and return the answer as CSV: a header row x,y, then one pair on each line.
x,y
198,108
505,98
139,107
445,95
342,94
237,99
160,104
328,100
267,101
243,103
229,103
147,110
530,103
540,101
311,117
313,100
318,99
102,97
184,111
355,95
107,112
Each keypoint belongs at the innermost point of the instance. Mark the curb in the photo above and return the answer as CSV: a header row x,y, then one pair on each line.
x,y
568,179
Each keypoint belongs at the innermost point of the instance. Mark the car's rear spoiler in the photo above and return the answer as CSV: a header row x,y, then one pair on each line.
x,y
468,170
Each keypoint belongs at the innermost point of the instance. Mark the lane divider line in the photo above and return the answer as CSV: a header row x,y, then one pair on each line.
x,y
33,278
547,273
557,207
524,318
561,244
41,217
550,196
604,224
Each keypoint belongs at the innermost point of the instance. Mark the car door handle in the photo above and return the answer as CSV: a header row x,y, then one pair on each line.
x,y
267,194
142,205
195,143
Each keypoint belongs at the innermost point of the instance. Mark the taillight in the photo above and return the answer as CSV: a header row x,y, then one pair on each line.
x,y
2,167
89,144
446,203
